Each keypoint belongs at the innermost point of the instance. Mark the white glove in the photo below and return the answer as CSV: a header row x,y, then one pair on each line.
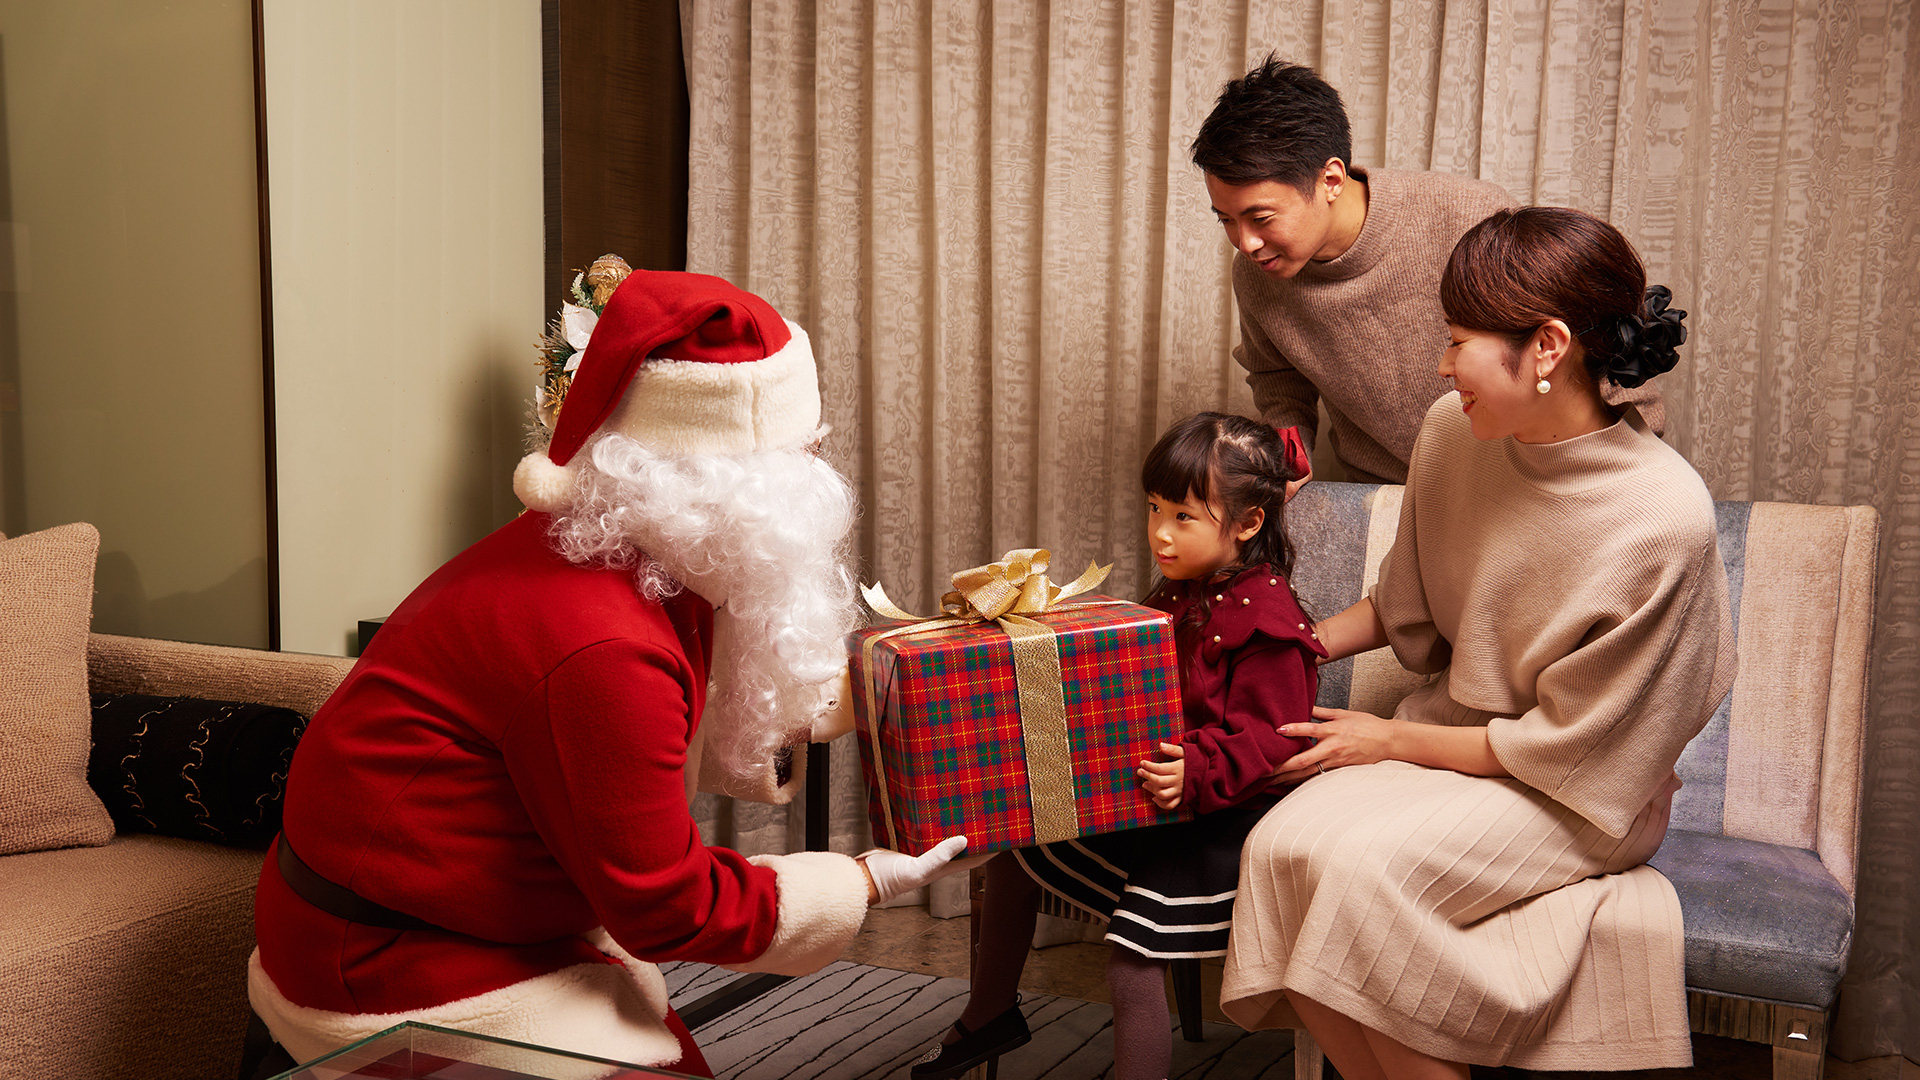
x,y
894,873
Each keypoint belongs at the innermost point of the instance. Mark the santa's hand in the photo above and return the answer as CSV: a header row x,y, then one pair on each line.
x,y
893,873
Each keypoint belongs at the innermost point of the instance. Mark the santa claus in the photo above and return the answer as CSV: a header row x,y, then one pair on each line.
x,y
487,825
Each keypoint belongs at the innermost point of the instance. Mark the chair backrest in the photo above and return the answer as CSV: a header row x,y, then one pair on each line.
x,y
1780,761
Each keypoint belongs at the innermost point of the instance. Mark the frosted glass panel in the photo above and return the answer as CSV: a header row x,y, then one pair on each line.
x,y
130,347
404,166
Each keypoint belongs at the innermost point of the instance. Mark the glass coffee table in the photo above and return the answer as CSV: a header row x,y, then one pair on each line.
x,y
415,1051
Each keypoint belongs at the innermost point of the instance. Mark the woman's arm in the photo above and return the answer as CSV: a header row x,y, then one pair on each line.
x,y
1356,738
1355,630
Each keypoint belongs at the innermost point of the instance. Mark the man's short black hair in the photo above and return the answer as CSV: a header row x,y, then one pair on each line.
x,y
1278,122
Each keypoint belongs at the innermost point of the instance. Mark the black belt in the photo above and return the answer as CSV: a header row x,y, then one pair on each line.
x,y
338,900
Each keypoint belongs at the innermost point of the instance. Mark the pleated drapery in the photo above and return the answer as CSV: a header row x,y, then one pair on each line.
x,y
985,217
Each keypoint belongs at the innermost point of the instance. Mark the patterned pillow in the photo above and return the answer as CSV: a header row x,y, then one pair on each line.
x,y
197,769
46,602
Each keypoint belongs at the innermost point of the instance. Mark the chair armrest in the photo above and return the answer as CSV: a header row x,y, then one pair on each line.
x,y
1838,835
131,665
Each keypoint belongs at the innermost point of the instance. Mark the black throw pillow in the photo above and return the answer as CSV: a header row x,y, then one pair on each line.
x,y
202,770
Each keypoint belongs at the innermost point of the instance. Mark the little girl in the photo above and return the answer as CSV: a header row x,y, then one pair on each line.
x,y
1216,491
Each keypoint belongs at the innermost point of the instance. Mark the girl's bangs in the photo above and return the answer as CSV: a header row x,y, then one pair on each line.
x,y
1181,467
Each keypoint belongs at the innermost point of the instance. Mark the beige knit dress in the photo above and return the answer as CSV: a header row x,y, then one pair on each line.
x,y
1571,598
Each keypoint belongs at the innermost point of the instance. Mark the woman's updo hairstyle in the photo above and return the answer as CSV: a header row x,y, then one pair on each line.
x,y
1518,269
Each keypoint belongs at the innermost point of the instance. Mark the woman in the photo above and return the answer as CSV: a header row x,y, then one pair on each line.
x,y
1464,882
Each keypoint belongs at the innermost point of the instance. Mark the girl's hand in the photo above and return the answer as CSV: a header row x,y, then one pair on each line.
x,y
1165,780
1343,737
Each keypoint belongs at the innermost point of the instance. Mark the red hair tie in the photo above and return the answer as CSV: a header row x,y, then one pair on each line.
x,y
1294,451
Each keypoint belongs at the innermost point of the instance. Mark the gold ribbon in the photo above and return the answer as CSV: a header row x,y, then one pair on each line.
x,y
1003,592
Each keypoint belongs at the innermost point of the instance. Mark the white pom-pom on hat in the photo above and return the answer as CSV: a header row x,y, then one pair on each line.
x,y
541,484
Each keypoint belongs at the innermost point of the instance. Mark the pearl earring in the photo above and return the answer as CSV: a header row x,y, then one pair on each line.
x,y
1543,386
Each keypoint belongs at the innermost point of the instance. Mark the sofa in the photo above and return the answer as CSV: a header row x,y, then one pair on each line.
x,y
1764,836
124,954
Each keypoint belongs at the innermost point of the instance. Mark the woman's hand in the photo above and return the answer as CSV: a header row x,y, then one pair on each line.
x,y
1344,737
1165,780
1650,827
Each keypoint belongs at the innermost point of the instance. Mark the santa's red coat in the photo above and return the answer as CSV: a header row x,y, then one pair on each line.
x,y
507,761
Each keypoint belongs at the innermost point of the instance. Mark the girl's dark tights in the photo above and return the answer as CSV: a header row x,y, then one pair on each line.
x,y
1143,1033
1007,914
1142,1030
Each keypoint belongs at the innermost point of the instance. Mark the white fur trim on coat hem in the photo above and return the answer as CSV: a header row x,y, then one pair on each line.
x,y
823,902
602,1010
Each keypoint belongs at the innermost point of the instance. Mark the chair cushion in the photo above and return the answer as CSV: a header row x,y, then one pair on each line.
x,y
46,602
1763,921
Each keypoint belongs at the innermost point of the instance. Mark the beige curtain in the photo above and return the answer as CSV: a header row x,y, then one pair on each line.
x,y
985,217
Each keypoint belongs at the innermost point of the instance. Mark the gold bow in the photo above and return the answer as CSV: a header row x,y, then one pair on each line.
x,y
1017,584
1003,592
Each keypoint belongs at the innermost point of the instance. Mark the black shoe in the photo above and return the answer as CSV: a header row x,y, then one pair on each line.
x,y
995,1037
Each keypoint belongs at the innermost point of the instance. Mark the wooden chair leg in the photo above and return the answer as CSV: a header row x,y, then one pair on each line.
x,y
1186,998
1308,1061
1799,1044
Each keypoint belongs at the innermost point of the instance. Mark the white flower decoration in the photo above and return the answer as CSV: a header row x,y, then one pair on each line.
x,y
577,323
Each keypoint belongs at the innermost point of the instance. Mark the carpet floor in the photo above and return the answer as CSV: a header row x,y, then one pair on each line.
x,y
853,1022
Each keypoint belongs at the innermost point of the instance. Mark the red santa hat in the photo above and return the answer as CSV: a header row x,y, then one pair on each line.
x,y
712,369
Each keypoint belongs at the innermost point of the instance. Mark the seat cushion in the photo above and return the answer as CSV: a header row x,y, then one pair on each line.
x,y
126,960
1763,921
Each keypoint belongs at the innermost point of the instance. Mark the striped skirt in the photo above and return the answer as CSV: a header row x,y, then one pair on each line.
x,y
1166,891
1473,919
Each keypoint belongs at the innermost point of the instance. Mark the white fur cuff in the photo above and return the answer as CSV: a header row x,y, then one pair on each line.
x,y
823,901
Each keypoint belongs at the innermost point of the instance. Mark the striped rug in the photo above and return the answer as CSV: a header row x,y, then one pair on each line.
x,y
852,1022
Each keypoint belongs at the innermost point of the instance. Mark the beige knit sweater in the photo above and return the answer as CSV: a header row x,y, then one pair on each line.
x,y
1571,597
1364,331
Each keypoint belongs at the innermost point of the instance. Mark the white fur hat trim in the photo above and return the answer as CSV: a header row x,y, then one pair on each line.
x,y
679,408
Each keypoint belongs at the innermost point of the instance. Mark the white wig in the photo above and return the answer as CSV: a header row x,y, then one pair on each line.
x,y
763,537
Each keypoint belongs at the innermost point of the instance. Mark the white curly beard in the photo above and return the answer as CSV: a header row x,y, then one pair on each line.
x,y
763,537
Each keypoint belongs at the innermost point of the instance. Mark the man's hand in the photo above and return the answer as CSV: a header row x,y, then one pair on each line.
x,y
889,873
1165,780
1299,462
1294,486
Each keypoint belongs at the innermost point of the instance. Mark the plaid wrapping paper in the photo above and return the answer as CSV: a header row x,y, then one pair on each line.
x,y
951,746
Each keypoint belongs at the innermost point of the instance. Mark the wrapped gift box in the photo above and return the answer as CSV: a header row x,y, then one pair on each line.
x,y
945,749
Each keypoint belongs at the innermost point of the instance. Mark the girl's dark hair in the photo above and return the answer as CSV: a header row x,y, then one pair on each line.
x,y
1278,122
1518,269
1236,464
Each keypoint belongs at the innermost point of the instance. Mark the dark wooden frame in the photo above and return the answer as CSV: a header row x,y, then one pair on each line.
x,y
266,327
615,114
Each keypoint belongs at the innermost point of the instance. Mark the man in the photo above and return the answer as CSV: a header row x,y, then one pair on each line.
x,y
1338,279
487,825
